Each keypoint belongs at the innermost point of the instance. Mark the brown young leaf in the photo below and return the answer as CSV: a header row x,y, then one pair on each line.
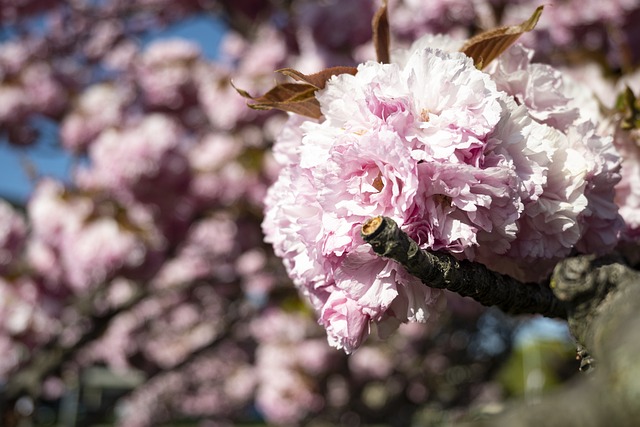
x,y
629,105
296,98
487,46
319,79
381,37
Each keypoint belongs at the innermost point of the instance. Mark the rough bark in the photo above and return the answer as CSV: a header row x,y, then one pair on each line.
x,y
443,271
601,300
603,297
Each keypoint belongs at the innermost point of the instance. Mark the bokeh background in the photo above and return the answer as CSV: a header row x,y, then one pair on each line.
x,y
135,289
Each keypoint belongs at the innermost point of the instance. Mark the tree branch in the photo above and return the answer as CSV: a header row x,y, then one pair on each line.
x,y
603,297
443,271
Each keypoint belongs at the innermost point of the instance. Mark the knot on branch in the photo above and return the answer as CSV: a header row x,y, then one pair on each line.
x,y
586,276
588,285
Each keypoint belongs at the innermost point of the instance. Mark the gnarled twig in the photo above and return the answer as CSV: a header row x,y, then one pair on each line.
x,y
443,271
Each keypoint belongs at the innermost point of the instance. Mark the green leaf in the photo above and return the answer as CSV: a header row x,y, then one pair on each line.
x,y
487,46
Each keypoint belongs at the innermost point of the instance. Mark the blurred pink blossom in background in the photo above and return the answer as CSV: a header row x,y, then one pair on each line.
x,y
210,256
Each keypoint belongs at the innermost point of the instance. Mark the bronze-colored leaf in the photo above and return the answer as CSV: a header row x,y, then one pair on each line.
x,y
629,105
487,46
296,98
381,37
319,79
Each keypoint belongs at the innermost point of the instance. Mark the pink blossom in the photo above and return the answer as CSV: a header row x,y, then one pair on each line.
x,y
252,65
165,72
567,105
33,89
17,311
141,162
101,106
178,333
445,42
217,176
346,324
569,20
205,251
44,261
371,363
15,55
264,54
25,312
601,222
371,151
540,87
102,247
462,205
53,213
215,91
14,102
78,243
44,92
289,214
552,186
122,55
115,346
412,18
286,359
287,399
352,18
103,37
314,356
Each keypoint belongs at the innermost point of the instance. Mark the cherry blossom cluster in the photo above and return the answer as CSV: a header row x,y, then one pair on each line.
x,y
500,166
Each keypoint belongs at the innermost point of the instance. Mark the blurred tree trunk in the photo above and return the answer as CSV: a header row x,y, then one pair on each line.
x,y
603,302
600,298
